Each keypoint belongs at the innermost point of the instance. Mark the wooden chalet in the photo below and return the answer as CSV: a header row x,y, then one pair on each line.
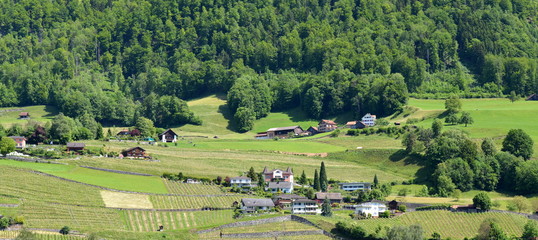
x,y
124,132
284,132
24,115
326,126
355,125
168,136
312,130
75,147
135,152
533,97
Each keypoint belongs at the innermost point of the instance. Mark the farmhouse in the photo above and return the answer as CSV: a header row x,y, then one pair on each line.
x,y
332,197
326,126
371,208
261,135
75,147
355,125
284,132
278,175
135,152
24,115
369,120
285,200
124,132
312,131
20,141
284,187
241,182
364,186
533,97
251,205
305,206
168,136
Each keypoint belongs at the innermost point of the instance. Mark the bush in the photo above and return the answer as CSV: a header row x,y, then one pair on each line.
x,y
65,230
403,192
385,214
19,220
402,208
435,207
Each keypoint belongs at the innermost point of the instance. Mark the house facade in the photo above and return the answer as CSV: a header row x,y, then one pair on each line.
x,y
20,141
312,131
332,197
253,205
283,132
372,208
278,175
364,186
283,187
305,206
241,182
135,152
168,136
369,120
326,126
285,201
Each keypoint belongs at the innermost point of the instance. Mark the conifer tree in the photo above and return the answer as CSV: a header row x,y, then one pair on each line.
x,y
326,208
376,182
316,181
252,174
323,178
303,178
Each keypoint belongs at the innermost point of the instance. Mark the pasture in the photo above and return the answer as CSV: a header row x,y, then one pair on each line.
x,y
147,221
493,118
284,145
191,189
40,113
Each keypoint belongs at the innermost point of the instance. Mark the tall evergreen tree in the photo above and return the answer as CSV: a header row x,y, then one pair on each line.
x,y
317,186
252,174
323,178
376,181
326,208
303,178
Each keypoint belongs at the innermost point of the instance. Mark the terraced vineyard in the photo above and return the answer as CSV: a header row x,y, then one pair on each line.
x,y
268,227
21,183
40,236
147,221
43,215
191,189
184,202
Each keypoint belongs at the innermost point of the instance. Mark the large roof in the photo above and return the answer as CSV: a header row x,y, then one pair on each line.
x,y
328,122
288,196
76,145
133,148
255,202
280,185
330,196
266,170
283,128
168,131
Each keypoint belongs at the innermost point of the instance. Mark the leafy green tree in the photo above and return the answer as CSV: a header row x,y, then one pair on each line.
x,y
65,230
24,234
466,119
145,126
488,147
252,174
437,127
244,118
323,181
482,201
410,141
313,102
317,184
452,105
521,203
518,143
513,96
302,179
530,230
527,177
444,186
7,145
452,119
326,208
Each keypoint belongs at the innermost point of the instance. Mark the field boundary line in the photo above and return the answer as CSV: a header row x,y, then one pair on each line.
x,y
120,172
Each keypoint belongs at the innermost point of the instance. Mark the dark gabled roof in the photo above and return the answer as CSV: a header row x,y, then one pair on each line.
x,y
255,202
330,196
280,185
133,148
170,131
314,128
283,128
288,196
75,145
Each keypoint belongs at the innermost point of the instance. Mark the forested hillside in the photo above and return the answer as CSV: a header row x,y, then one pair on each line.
x,y
117,60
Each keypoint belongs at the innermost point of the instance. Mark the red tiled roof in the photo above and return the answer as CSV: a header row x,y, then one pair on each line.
x,y
328,122
24,114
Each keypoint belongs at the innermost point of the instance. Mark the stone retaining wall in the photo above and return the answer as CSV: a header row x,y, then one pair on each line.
x,y
249,223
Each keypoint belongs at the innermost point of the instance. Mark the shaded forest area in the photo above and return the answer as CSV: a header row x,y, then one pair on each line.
x,y
118,60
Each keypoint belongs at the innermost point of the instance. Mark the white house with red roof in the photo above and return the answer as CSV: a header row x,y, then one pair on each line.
x,y
369,120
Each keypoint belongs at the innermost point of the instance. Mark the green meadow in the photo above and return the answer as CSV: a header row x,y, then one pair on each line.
x,y
96,177
40,113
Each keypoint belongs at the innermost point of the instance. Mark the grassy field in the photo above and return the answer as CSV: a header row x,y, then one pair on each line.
x,y
147,221
126,200
183,202
448,224
191,189
40,235
96,177
40,113
492,117
295,146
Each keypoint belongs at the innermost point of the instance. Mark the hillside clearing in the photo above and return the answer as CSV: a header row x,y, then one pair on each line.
x,y
125,200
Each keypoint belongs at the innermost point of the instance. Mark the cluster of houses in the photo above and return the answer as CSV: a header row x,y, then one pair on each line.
x,y
367,120
166,136
281,183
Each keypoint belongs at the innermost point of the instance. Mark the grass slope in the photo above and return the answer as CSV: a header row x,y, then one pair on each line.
x,y
295,146
95,177
492,117
40,113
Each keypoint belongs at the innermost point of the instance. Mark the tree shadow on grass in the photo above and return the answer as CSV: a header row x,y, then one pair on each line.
x,y
423,174
51,111
297,115
227,114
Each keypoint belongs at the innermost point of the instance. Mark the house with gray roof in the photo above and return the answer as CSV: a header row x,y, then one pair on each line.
x,y
364,186
242,182
252,205
332,197
284,187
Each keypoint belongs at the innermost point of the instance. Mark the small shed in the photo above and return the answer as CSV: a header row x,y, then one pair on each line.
x,y
75,147
533,97
135,152
24,115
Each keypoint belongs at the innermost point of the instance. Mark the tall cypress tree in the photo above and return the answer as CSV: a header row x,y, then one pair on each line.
x,y
326,208
316,180
376,182
252,174
303,178
323,178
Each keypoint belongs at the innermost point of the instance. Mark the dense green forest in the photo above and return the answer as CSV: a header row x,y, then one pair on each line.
x,y
118,60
